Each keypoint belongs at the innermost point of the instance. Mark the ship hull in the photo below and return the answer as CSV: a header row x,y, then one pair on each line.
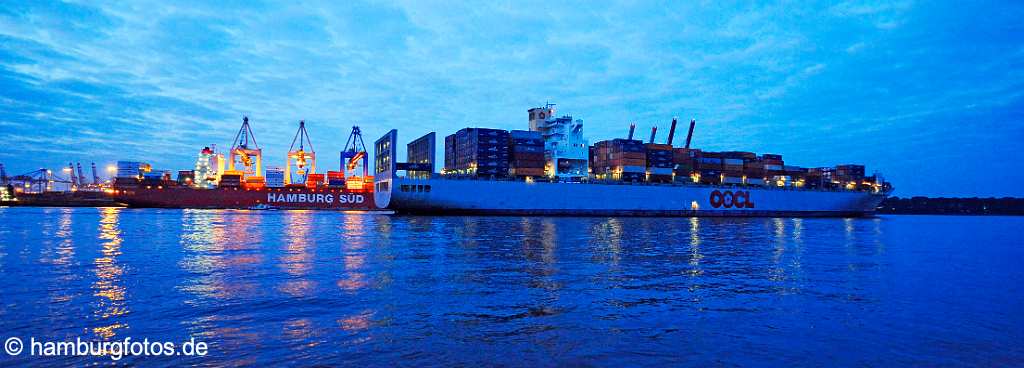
x,y
488,197
241,198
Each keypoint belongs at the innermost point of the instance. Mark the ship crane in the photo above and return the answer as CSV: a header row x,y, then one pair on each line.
x,y
354,156
305,161
245,151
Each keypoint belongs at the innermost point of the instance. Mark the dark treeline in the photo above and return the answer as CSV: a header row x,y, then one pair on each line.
x,y
953,206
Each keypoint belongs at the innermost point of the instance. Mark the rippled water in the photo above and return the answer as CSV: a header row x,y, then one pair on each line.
x,y
307,288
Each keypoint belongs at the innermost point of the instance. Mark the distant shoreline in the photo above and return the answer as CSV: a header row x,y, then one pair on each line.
x,y
952,206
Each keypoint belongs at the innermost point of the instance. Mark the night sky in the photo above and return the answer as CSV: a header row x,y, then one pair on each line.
x,y
930,94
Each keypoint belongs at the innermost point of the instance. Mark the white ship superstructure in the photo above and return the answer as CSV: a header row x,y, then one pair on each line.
x,y
565,148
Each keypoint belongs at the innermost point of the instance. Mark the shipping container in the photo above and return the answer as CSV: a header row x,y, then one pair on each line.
x,y
732,180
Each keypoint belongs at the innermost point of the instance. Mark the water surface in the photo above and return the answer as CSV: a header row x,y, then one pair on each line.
x,y
307,288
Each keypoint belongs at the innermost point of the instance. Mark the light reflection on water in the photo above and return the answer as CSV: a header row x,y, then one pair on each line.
x,y
307,288
109,287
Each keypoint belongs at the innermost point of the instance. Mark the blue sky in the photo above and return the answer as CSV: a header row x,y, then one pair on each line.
x,y
931,94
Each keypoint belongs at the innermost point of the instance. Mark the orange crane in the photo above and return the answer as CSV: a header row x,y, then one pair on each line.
x,y
251,158
302,157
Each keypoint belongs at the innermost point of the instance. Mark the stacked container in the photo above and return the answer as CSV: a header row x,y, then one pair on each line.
x,y
659,162
773,164
335,179
709,167
313,181
480,151
850,173
275,177
620,159
684,160
231,179
255,182
526,150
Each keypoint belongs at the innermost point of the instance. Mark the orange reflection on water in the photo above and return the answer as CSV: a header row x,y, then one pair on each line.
x,y
297,258
353,243
108,273
356,322
221,247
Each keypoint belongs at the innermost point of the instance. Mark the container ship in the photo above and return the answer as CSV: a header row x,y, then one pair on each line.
x,y
239,181
551,169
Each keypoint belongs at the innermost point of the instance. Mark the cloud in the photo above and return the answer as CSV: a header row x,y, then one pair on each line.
x,y
157,81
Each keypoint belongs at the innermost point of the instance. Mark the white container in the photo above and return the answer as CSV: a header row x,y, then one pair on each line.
x,y
659,170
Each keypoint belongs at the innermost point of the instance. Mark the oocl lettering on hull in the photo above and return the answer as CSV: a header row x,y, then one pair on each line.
x,y
730,199
314,198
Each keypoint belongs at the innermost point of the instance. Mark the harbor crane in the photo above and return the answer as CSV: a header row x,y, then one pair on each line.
x,y
38,181
95,176
81,176
354,155
305,161
245,151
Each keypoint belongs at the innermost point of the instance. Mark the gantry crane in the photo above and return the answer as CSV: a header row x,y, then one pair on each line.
x,y
245,151
355,156
305,161
95,176
39,181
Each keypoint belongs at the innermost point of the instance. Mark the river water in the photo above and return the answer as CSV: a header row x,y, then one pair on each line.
x,y
329,288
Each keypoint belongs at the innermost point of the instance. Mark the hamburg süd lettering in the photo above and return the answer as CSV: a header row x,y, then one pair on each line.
x,y
313,198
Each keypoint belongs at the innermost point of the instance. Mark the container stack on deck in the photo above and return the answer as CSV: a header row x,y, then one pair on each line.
x,y
335,179
275,177
526,150
313,181
659,162
479,152
255,182
231,179
620,159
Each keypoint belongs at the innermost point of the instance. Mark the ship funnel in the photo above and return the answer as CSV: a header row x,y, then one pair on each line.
x,y
689,135
632,127
672,131
654,131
